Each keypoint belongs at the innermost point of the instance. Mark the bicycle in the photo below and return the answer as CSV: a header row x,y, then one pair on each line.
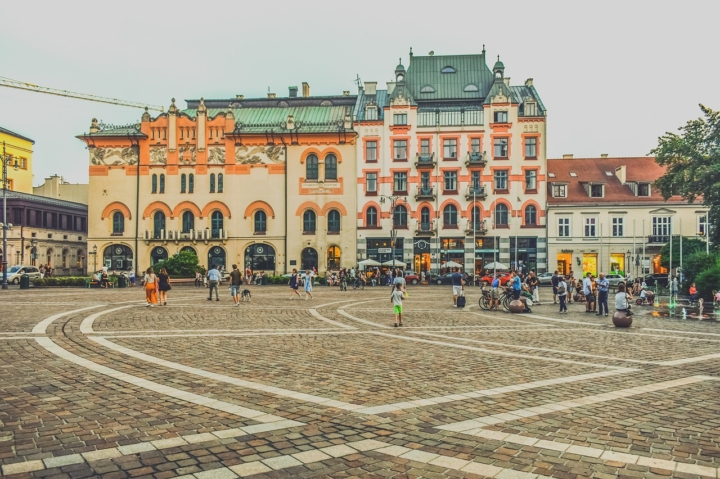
x,y
343,285
359,284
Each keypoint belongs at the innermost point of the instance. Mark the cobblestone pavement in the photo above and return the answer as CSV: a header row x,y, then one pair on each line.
x,y
95,384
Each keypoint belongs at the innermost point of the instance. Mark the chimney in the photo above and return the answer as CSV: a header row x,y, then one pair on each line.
x,y
347,124
507,81
305,89
239,97
528,82
567,155
620,173
603,155
272,95
390,87
370,87
292,91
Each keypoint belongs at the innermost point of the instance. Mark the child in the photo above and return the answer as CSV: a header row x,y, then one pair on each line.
x,y
396,299
716,298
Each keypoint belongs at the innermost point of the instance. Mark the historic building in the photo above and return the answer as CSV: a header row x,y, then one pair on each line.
x,y
47,231
266,183
460,153
56,187
20,149
605,216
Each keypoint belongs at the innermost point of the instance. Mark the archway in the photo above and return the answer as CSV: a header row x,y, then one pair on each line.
x,y
260,257
118,257
158,254
216,257
309,259
333,257
188,249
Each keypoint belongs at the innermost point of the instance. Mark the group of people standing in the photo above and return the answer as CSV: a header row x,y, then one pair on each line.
x,y
156,287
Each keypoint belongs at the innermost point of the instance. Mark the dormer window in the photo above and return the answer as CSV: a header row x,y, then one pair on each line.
x,y
501,117
643,189
371,113
530,108
448,69
427,89
596,191
471,88
559,191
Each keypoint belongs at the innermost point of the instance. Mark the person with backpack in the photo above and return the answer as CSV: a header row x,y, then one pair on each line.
x,y
562,291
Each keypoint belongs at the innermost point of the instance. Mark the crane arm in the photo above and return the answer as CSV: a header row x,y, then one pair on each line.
x,y
7,82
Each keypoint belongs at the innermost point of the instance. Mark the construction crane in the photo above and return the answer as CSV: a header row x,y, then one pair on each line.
x,y
20,85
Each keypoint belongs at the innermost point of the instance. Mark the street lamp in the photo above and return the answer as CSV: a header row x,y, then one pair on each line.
x,y
393,233
628,258
6,160
94,259
33,251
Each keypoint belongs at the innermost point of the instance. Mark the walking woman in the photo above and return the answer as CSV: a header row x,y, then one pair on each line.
x,y
294,284
308,284
163,285
151,285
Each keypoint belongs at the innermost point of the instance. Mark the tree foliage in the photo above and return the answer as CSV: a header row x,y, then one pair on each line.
x,y
183,264
692,161
690,246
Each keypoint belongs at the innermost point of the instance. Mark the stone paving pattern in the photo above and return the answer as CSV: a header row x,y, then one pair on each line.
x,y
334,391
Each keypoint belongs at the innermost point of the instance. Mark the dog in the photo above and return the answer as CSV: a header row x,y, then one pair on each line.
x,y
245,296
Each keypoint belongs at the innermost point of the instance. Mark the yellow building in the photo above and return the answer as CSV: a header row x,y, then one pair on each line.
x,y
20,148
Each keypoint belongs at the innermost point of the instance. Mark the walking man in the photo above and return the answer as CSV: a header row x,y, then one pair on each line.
x,y
457,284
516,285
588,292
603,287
236,282
214,281
555,281
534,284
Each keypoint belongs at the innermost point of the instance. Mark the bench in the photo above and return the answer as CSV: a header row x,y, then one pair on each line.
x,y
90,283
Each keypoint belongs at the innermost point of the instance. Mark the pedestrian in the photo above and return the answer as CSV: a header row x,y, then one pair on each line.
x,y
151,285
587,288
294,284
131,277
693,292
248,275
400,279
104,279
235,283
674,291
516,285
555,280
495,294
457,285
534,284
396,298
308,284
214,280
603,288
562,294
198,279
622,300
163,286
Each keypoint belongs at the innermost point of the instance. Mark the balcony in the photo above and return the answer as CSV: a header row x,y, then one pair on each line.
x,y
425,193
424,229
476,192
185,236
475,228
425,160
657,239
475,158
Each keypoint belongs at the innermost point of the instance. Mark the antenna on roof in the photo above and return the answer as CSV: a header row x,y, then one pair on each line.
x,y
357,80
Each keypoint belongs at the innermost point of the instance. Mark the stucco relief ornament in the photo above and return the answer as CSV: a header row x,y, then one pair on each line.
x,y
216,156
259,155
158,155
114,156
187,154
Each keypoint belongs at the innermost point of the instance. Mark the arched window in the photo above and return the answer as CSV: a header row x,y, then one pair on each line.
x,y
311,168
118,223
49,256
400,216
531,215
450,216
154,184
158,224
309,222
333,257
191,183
183,181
501,215
212,182
260,222
216,224
220,183
65,255
188,221
80,259
162,184
425,219
333,220
476,217
331,168
371,217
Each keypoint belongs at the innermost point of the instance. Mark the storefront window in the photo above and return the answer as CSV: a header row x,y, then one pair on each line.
x,y
617,263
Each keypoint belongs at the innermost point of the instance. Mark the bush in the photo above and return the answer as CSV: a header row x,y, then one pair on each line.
x,y
181,265
707,281
61,281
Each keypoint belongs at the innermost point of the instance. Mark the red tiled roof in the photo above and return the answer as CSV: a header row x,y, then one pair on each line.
x,y
592,170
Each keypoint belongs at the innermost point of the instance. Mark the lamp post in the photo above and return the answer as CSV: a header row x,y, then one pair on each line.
x,y
33,251
6,159
393,232
628,259
94,253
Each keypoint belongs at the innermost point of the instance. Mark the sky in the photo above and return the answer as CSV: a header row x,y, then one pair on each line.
x,y
613,75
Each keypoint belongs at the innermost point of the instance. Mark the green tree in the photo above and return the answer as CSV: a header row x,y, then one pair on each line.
x,y
692,161
183,264
690,246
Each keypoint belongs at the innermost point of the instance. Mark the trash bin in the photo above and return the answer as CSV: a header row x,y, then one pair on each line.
x,y
25,282
122,281
264,280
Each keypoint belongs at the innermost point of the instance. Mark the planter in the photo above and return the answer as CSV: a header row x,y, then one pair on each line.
x,y
621,320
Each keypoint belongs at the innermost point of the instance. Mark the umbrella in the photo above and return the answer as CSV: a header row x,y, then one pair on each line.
x,y
398,264
452,264
495,265
369,262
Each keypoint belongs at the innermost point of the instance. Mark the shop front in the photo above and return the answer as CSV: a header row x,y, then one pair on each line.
x,y
564,261
421,258
523,253
486,252
617,263
589,264
451,249
381,249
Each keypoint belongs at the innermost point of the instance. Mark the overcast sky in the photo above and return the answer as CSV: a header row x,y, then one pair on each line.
x,y
614,75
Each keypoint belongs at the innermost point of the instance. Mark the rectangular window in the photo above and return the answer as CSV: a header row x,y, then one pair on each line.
x,y
590,227
450,180
475,179
400,119
564,227
450,148
371,151
530,147
371,182
531,180
702,225
475,145
661,225
400,149
643,189
501,179
371,113
425,147
500,146
618,227
596,191
501,117
559,191
530,109
400,182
